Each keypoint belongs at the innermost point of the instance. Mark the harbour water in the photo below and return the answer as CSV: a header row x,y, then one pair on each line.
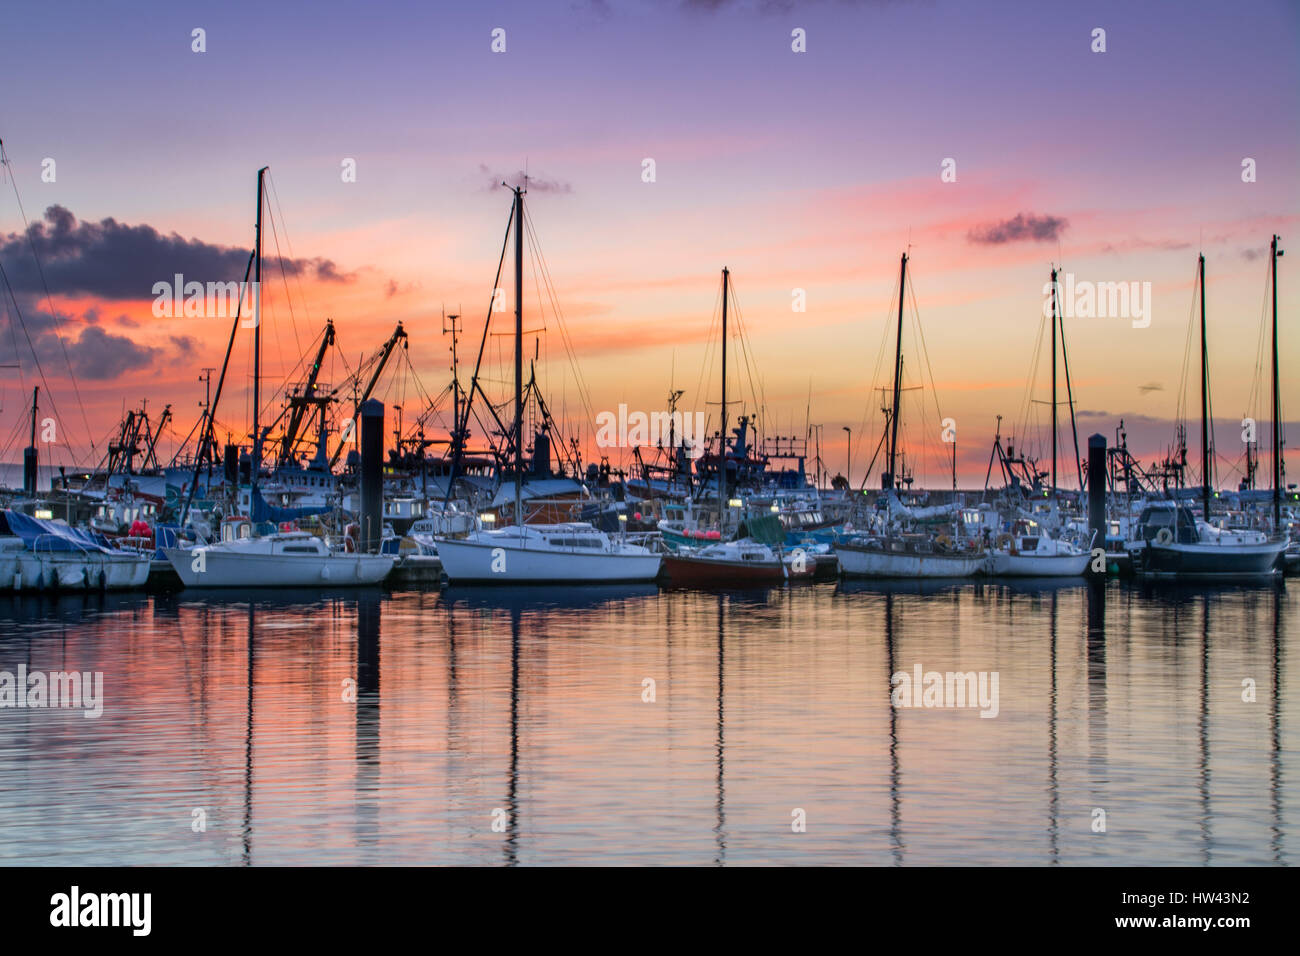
x,y
496,726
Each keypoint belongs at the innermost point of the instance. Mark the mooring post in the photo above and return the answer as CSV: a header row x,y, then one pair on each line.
x,y
1097,489
372,475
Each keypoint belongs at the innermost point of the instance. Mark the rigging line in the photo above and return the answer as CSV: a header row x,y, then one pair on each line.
x,y
13,335
927,449
40,369
284,280
1069,399
463,422
1035,364
1209,427
1256,397
58,334
288,242
706,367
542,270
757,393
1180,409
871,409
925,352
544,283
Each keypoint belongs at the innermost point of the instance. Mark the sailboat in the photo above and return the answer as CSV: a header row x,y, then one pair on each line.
x,y
1029,552
1034,548
568,552
893,554
1171,540
739,563
287,559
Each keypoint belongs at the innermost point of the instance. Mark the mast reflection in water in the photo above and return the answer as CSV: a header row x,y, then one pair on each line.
x,y
512,726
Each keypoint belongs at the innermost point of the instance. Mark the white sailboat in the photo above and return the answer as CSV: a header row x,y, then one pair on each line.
x,y
569,552
557,553
291,559
892,554
286,559
1029,552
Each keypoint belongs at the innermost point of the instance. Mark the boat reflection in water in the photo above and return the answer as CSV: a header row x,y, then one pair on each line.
x,y
625,724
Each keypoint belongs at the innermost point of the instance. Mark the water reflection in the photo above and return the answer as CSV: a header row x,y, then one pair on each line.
x,y
526,706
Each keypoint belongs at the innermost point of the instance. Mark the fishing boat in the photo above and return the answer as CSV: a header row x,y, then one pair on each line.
x,y
280,560
1029,552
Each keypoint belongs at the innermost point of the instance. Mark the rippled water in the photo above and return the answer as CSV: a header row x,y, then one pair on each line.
x,y
525,709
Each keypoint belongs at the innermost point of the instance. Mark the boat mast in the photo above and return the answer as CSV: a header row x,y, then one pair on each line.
x,y
1274,252
887,481
257,336
519,354
722,450
1205,403
1053,380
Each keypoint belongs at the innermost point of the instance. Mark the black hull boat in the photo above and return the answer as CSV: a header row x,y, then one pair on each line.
x,y
1212,560
1172,542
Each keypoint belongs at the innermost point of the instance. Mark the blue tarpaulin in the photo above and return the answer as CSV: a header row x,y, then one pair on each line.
x,y
165,536
262,511
48,535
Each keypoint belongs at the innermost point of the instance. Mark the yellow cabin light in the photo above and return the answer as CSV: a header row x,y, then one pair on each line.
x,y
488,518
735,503
43,513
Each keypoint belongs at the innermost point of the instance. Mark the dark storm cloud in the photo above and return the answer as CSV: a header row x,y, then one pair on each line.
x,y
1019,228
98,355
112,260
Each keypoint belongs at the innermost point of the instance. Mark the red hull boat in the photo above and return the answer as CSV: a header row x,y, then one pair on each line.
x,y
725,565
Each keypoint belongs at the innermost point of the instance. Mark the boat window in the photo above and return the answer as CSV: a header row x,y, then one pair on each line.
x,y
298,549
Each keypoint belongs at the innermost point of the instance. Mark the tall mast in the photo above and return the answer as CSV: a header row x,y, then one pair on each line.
x,y
519,354
722,451
1053,380
1274,252
1205,403
888,481
257,336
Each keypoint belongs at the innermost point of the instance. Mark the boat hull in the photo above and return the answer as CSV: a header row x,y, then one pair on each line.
x,y
862,562
1210,560
279,571
1038,565
685,570
469,562
72,571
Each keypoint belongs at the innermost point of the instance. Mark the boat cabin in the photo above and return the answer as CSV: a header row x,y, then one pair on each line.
x,y
1171,517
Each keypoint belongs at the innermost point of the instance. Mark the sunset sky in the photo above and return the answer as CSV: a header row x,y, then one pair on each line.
x,y
812,170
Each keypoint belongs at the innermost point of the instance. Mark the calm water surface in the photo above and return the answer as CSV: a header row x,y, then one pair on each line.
x,y
524,708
